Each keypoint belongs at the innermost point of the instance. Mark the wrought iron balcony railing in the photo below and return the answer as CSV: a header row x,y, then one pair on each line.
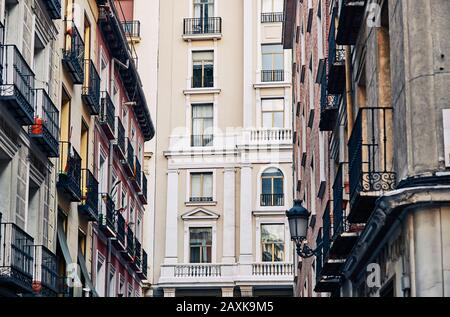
x,y
144,264
201,199
272,17
91,87
73,53
45,131
272,200
202,26
137,254
108,217
319,258
46,271
17,85
130,243
132,29
121,229
202,140
137,179
89,200
107,115
371,163
326,231
336,61
120,144
339,221
329,107
128,164
16,258
275,75
143,195
69,171
54,8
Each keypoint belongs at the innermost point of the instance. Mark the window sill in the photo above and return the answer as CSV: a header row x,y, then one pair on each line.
x,y
200,91
196,204
273,84
202,37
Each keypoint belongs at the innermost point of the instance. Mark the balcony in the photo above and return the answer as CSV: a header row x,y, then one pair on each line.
x,y
45,131
132,30
200,200
330,266
46,271
130,245
350,21
69,180
324,283
272,17
16,259
89,200
17,85
143,271
108,216
136,181
272,200
270,137
120,140
91,88
137,255
119,242
73,53
202,28
128,163
143,194
329,108
268,76
202,140
371,170
345,235
54,8
107,115
273,269
336,62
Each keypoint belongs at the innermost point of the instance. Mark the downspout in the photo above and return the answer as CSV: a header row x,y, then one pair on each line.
x,y
348,89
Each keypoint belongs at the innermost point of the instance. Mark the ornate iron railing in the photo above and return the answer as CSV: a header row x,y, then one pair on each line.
x,y
272,200
202,26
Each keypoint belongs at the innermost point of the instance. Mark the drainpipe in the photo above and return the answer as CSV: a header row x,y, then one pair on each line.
x,y
108,266
348,89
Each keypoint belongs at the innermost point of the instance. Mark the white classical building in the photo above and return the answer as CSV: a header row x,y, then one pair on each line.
x,y
223,154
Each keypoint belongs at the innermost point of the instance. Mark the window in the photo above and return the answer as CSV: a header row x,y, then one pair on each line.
x,y
272,242
201,187
104,74
269,6
202,125
100,276
272,62
121,291
272,193
203,69
273,113
82,242
203,9
112,282
103,173
22,189
200,244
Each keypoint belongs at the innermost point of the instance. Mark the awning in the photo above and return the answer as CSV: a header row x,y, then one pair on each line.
x,y
84,271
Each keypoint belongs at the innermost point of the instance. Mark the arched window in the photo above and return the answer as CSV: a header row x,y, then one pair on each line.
x,y
272,191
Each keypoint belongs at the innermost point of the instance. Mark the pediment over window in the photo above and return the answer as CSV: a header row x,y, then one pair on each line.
x,y
199,214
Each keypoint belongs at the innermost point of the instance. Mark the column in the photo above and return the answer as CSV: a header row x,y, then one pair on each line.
x,y
228,292
248,63
246,291
246,254
171,252
229,219
169,292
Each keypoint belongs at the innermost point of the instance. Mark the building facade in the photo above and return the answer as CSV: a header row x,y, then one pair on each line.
x,y
92,214
223,150
384,230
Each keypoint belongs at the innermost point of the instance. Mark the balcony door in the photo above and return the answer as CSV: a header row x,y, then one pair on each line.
x,y
272,192
200,244
203,10
272,113
202,125
272,243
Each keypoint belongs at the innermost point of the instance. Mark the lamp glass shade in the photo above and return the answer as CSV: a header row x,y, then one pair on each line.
x,y
298,218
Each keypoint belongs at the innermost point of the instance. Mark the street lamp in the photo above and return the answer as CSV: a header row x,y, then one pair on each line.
x,y
298,217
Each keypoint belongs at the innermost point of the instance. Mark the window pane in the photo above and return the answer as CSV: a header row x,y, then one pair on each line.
x,y
267,62
267,120
207,185
278,186
278,120
266,186
267,6
195,255
272,233
195,185
278,5
278,62
203,56
209,76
